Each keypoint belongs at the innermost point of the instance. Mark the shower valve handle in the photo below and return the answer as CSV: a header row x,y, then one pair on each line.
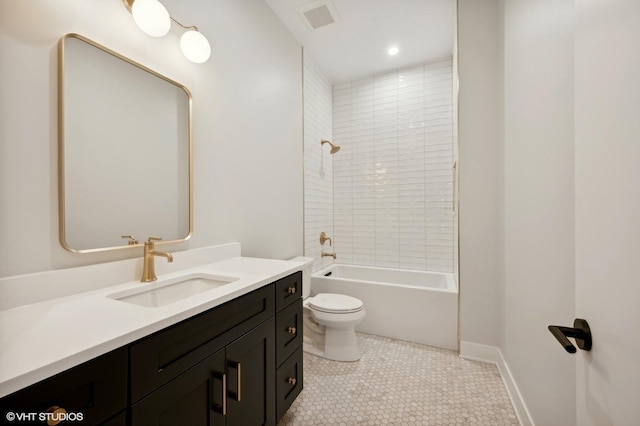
x,y
324,238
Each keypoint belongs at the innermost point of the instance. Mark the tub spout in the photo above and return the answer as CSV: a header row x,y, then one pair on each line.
x,y
324,254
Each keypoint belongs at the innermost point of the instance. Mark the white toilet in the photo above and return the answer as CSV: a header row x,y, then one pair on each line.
x,y
329,322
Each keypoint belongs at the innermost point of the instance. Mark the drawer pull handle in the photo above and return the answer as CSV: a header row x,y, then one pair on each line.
x,y
224,394
57,415
292,330
217,407
292,381
238,367
291,290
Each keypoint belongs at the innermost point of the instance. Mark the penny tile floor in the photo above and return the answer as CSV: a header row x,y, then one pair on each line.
x,y
400,383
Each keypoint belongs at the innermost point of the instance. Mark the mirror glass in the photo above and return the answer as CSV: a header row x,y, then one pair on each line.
x,y
124,150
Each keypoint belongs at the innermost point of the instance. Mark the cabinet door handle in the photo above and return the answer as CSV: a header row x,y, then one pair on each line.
x,y
57,412
292,381
237,395
291,290
220,408
291,330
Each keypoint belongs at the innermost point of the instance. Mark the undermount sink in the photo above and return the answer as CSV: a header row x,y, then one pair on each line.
x,y
171,290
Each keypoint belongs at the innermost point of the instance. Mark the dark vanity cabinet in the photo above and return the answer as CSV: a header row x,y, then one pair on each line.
x,y
213,369
288,341
94,392
237,364
234,386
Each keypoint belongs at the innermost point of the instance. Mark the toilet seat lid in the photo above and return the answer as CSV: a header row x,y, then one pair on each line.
x,y
335,303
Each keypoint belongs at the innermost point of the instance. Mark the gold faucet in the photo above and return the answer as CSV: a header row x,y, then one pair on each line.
x,y
132,240
149,269
323,239
328,254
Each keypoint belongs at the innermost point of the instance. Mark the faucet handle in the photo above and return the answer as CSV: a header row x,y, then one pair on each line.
x,y
132,240
150,242
324,238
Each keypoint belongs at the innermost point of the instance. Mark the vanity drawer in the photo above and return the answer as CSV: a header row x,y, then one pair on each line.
x,y
94,390
117,420
288,331
164,355
288,383
288,290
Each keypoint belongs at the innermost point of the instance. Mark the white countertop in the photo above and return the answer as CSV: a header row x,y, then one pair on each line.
x,y
42,339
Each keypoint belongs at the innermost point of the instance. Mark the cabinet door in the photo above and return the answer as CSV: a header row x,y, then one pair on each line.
x,y
96,390
289,382
195,397
161,357
251,377
118,420
288,331
288,290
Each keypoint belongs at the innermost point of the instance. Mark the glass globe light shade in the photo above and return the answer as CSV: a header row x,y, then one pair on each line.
x,y
151,17
195,46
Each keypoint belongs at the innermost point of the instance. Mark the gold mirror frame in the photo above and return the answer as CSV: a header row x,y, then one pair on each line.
x,y
61,149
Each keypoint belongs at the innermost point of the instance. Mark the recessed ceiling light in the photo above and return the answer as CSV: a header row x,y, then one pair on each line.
x,y
393,51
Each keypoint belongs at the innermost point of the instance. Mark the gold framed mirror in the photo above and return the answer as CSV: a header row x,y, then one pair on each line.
x,y
125,164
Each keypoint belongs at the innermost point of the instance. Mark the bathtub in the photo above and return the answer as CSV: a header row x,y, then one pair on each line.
x,y
415,306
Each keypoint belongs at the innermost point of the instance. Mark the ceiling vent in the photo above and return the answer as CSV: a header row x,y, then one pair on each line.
x,y
318,14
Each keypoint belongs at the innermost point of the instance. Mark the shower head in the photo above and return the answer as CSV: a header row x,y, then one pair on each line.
x,y
334,148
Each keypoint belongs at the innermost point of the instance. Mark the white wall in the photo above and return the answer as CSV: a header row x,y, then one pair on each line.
x,y
516,192
393,175
538,182
480,173
247,102
607,204
318,164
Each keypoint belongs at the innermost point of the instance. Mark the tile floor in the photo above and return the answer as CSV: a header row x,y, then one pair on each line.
x,y
400,383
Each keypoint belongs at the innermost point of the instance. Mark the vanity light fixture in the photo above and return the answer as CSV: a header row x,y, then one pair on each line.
x,y
150,16
194,45
153,19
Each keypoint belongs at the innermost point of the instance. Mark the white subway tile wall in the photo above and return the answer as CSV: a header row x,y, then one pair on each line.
x,y
392,179
318,163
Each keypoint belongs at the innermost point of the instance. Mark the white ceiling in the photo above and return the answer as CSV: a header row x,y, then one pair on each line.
x,y
356,45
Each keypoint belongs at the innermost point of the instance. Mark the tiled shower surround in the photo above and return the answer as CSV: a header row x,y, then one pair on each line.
x,y
318,163
386,197
392,179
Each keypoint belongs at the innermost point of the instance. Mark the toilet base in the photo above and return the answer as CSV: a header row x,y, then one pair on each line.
x,y
341,345
312,350
329,343
342,357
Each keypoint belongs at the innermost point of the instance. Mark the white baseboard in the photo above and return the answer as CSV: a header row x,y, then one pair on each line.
x,y
493,355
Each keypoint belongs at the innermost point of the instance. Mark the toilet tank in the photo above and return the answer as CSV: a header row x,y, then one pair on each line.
x,y
306,267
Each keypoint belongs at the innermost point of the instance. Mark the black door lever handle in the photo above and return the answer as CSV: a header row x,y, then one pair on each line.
x,y
580,331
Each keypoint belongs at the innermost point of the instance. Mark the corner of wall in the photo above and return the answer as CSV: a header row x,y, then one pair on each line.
x,y
493,355
480,173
